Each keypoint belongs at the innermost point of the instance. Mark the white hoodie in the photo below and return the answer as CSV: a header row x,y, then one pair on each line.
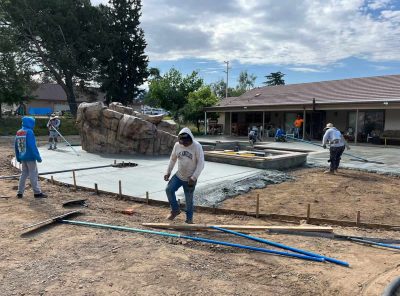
x,y
190,159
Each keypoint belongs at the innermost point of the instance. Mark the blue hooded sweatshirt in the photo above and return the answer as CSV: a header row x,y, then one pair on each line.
x,y
25,142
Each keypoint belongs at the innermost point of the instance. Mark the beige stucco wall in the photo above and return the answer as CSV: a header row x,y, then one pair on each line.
x,y
392,119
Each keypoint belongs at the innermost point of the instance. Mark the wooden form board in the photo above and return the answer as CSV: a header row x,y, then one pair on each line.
x,y
302,228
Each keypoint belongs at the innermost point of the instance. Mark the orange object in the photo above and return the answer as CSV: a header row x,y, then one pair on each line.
x,y
127,211
298,122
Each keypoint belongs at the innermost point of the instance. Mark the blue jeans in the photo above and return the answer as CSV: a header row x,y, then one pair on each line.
x,y
173,185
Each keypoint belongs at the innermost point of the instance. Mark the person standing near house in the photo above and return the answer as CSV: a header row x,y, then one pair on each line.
x,y
298,126
53,125
337,144
190,157
27,154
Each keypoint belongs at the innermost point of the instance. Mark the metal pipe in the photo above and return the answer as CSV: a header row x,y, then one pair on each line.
x,y
373,243
282,246
65,140
199,239
62,171
345,153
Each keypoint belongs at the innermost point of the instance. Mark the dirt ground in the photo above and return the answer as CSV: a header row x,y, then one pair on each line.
x,y
73,260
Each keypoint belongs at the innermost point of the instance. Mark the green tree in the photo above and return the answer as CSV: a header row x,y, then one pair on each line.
x,y
123,63
15,81
219,88
246,81
60,35
171,90
275,78
197,100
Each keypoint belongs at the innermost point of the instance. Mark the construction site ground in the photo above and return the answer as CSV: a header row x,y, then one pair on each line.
x,y
72,260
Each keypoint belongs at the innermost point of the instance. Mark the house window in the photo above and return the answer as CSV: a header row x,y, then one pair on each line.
x,y
368,123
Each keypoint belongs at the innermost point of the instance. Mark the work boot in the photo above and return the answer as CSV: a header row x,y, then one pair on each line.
x,y
50,148
189,221
40,195
173,215
329,172
19,195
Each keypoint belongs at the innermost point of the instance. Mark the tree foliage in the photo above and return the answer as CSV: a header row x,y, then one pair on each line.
x,y
246,81
171,91
275,78
197,100
60,35
15,80
123,63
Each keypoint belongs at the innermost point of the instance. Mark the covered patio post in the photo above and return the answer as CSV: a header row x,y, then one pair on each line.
x,y
263,126
304,123
356,131
205,123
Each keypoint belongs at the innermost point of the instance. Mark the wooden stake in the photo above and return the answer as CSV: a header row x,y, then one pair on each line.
x,y
258,206
115,161
74,177
52,180
214,209
147,197
96,189
358,218
308,213
120,188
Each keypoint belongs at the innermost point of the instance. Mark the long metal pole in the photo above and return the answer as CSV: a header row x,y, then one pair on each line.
x,y
65,140
227,78
282,246
199,239
62,171
345,153
364,241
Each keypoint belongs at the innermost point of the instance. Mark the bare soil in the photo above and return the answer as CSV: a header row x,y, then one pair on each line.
x,y
72,260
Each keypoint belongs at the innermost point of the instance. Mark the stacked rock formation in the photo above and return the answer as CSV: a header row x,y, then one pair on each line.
x,y
119,129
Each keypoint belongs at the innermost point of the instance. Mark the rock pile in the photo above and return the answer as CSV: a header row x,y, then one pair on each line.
x,y
119,129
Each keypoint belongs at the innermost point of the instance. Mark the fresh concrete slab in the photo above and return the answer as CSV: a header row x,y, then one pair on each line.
x,y
147,176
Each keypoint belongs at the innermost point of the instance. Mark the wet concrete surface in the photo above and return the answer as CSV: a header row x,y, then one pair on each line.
x,y
148,175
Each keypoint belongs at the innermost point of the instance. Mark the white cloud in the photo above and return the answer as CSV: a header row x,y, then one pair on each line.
x,y
305,70
303,34
378,4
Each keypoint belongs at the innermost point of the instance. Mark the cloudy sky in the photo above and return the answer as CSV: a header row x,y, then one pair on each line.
x,y
308,40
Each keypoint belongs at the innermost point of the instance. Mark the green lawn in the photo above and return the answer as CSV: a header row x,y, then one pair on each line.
x,y
10,125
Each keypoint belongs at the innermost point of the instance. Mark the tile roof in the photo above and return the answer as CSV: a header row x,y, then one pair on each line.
x,y
355,90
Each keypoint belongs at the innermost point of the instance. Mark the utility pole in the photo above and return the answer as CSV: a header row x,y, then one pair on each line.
x,y
227,77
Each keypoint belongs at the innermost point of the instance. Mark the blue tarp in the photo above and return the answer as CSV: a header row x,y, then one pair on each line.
x,y
40,111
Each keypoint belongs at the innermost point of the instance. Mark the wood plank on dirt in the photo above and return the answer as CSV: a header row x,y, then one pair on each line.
x,y
205,227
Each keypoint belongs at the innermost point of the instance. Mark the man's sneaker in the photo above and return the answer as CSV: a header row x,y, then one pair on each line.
x,y
189,221
329,172
173,215
40,195
20,195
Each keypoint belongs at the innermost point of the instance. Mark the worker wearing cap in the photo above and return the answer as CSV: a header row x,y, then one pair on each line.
x,y
53,124
337,144
190,157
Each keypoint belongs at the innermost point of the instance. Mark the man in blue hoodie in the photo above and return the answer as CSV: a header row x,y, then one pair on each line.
x,y
27,153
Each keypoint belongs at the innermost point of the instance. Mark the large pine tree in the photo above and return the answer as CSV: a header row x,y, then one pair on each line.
x,y
123,61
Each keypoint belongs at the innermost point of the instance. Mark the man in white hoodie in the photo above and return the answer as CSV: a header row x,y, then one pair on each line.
x,y
190,156
337,144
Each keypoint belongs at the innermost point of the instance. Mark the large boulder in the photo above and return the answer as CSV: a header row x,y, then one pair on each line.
x,y
119,129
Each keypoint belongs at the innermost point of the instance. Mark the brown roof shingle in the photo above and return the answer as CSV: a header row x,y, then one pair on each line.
x,y
355,90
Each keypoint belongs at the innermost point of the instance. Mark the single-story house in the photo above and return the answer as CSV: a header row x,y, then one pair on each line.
x,y
364,109
48,98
